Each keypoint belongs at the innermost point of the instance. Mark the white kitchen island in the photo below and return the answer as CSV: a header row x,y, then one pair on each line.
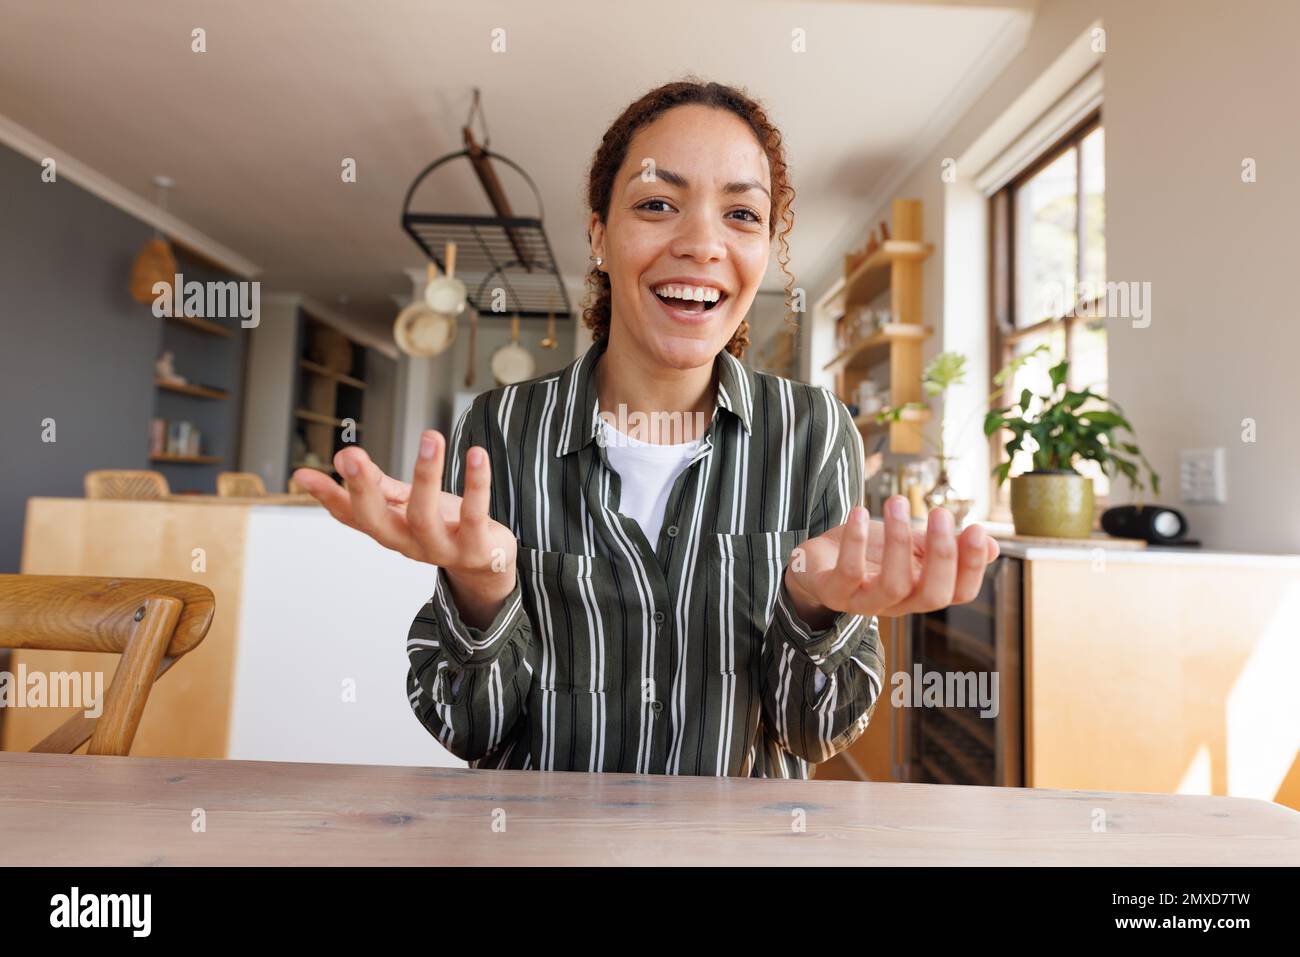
x,y
305,660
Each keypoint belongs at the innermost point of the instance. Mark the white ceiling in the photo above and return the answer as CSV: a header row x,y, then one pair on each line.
x,y
254,130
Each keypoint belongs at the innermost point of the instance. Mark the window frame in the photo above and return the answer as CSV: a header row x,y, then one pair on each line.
x,y
1003,333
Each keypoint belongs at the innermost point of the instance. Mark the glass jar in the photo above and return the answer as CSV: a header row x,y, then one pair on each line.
x,y
918,478
943,495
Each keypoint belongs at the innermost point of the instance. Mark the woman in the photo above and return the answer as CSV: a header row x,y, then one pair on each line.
x,y
616,599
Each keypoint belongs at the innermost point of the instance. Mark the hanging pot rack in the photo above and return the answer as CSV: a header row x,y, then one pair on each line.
x,y
503,251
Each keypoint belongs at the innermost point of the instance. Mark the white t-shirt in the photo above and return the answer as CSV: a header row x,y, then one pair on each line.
x,y
646,475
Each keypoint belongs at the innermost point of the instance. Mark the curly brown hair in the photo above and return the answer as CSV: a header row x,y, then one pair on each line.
x,y
613,150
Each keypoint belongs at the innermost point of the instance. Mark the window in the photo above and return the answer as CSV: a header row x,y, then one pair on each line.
x,y
1048,260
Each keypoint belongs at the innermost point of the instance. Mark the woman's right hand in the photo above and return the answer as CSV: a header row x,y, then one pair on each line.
x,y
420,520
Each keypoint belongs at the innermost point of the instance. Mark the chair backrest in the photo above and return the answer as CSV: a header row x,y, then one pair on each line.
x,y
240,485
126,483
150,622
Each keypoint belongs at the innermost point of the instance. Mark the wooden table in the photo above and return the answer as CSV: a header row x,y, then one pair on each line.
x,y
77,810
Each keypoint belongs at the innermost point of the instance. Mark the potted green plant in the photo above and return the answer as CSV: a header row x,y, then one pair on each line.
x,y
1052,499
944,371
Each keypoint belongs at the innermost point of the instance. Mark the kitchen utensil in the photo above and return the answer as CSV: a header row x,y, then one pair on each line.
x,y
473,330
549,342
420,331
447,295
512,362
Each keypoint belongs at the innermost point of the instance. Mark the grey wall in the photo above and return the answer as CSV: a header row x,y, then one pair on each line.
x,y
76,348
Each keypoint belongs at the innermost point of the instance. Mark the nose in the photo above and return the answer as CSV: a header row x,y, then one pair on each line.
x,y
700,236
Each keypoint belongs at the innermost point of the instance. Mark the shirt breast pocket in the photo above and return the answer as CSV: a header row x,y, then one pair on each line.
x,y
745,573
563,601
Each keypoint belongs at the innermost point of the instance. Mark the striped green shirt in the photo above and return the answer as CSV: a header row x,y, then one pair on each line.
x,y
682,656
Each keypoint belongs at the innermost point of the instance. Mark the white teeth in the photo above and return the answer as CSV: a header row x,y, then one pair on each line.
x,y
696,293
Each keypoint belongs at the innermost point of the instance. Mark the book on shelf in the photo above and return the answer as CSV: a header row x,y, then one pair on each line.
x,y
157,436
183,438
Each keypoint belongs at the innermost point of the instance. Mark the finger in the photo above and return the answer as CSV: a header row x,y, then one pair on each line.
x,y
940,575
972,559
895,582
993,549
371,511
423,514
393,490
478,489
328,492
840,587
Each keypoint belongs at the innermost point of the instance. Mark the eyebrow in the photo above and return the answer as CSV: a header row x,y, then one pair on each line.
x,y
678,180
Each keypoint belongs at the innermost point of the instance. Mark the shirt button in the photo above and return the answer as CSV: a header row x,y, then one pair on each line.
x,y
659,618
656,706
672,531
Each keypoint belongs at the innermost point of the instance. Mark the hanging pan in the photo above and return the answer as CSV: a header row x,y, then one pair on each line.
x,y
446,295
512,362
419,331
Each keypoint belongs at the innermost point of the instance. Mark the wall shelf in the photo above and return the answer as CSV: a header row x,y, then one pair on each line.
x,y
315,368
873,275
199,391
187,459
201,325
327,469
309,416
211,354
875,348
868,424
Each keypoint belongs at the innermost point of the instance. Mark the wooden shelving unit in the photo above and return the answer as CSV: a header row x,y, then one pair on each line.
x,y
895,267
330,390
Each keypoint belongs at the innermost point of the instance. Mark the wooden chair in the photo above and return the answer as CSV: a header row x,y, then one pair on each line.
x,y
126,483
150,622
240,485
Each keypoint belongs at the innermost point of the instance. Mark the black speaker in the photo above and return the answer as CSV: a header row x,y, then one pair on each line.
x,y
1154,523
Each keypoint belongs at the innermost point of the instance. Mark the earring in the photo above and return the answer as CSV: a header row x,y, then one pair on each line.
x,y
598,260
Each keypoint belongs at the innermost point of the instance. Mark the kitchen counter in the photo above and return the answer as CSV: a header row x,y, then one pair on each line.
x,y
73,810
1132,551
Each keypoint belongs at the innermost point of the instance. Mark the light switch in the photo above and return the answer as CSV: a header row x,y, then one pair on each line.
x,y
1202,476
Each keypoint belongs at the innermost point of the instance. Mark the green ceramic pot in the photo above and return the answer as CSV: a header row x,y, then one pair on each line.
x,y
1052,504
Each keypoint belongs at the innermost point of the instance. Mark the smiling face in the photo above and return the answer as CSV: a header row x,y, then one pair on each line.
x,y
686,247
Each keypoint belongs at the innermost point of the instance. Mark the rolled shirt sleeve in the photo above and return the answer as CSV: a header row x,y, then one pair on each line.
x,y
468,686
822,685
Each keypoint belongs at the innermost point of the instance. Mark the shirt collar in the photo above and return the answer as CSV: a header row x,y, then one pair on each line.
x,y
577,419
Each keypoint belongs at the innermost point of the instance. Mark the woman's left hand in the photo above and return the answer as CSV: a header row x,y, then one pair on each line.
x,y
875,568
